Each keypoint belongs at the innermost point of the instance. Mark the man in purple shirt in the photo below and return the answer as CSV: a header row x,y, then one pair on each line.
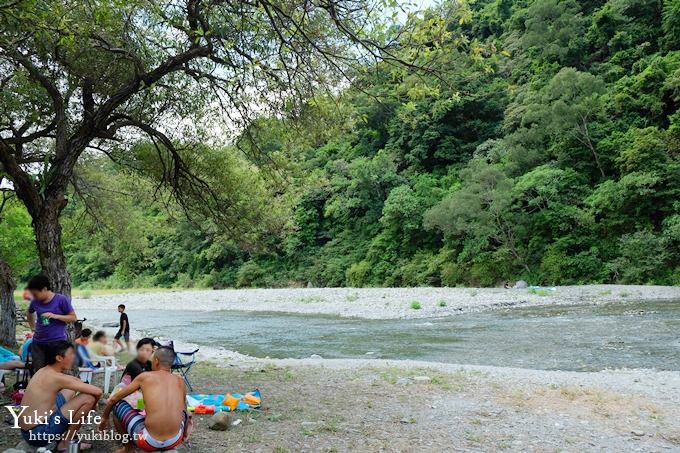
x,y
48,314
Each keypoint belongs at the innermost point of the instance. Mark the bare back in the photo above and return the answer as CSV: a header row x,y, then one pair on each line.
x,y
164,401
40,396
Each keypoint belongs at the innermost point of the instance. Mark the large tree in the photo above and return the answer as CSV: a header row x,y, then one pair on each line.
x,y
98,76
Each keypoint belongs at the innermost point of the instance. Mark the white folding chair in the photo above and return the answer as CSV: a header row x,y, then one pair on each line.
x,y
107,367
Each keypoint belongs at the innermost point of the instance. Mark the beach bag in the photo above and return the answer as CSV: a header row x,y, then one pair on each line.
x,y
133,398
19,389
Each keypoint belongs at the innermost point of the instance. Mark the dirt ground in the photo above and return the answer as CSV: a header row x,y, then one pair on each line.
x,y
383,408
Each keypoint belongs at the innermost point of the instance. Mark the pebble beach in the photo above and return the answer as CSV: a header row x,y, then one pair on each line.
x,y
378,303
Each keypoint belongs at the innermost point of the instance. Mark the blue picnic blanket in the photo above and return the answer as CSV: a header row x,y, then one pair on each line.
x,y
196,399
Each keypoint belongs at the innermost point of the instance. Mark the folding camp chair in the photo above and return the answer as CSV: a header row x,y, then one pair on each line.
x,y
184,361
21,374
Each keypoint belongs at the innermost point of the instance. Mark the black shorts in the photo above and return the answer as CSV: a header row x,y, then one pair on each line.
x,y
125,335
39,353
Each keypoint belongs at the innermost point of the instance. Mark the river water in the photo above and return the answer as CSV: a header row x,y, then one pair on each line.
x,y
578,338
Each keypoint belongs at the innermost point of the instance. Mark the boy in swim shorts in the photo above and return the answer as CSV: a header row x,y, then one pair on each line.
x,y
166,423
51,410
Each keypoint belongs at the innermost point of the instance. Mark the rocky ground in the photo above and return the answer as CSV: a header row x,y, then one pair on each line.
x,y
355,405
378,303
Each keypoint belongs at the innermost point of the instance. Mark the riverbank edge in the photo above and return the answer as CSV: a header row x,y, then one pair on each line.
x,y
379,303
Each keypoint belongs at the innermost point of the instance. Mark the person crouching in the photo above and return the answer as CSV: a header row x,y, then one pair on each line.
x,y
51,410
167,423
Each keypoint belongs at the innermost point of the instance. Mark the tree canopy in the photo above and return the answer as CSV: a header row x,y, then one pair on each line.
x,y
97,77
540,140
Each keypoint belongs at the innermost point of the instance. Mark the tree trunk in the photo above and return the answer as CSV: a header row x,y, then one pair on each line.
x,y
589,144
51,253
8,311
50,248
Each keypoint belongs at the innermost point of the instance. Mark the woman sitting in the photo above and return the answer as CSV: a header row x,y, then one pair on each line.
x,y
84,338
99,345
83,353
142,362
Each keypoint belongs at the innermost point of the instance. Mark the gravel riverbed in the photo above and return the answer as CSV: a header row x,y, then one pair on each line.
x,y
378,303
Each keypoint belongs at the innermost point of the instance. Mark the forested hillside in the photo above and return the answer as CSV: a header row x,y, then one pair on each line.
x,y
539,140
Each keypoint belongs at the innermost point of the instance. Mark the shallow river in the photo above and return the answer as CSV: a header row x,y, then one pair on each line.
x,y
581,338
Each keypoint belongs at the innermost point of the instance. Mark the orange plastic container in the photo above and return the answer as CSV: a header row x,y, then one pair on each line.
x,y
204,409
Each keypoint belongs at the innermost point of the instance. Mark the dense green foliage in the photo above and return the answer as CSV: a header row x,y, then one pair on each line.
x,y
543,144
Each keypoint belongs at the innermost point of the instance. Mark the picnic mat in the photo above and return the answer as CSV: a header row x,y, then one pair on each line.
x,y
198,399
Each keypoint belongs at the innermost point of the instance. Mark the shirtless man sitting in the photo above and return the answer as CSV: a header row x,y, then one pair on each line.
x,y
167,423
52,410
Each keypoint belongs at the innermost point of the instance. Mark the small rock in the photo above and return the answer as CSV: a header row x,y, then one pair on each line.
x,y
421,379
637,433
315,356
404,421
236,422
221,421
521,284
404,381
